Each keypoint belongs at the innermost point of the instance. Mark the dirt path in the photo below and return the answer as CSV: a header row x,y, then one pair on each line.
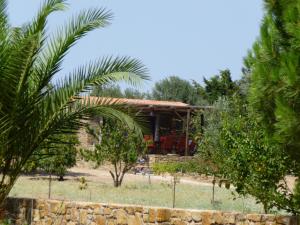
x,y
102,175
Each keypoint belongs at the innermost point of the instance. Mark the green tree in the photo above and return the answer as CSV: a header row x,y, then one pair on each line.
x,y
135,93
32,107
275,77
115,91
118,145
110,90
236,143
174,88
57,156
219,86
253,164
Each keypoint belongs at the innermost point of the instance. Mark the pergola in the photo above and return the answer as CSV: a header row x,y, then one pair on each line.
x,y
156,109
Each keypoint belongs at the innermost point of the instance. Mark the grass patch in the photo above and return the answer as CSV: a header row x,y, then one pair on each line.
x,y
141,193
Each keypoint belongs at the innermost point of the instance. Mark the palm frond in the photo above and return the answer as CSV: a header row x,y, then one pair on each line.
x,y
13,78
51,58
98,73
3,19
48,7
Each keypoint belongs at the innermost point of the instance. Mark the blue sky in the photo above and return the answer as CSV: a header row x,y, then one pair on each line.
x,y
191,39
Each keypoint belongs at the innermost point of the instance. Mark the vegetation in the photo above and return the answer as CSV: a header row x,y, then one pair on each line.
x,y
175,89
196,166
56,157
33,108
218,86
138,192
275,80
252,134
117,144
254,165
236,144
115,91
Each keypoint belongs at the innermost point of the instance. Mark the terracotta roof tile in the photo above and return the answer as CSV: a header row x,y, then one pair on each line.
x,y
141,102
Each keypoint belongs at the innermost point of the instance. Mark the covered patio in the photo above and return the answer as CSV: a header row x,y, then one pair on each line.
x,y
169,124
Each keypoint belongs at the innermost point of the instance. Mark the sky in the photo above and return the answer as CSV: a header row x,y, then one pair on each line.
x,y
191,39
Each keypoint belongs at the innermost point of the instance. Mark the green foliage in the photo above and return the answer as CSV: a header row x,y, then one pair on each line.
x,y
209,143
82,183
237,144
174,88
219,86
134,93
118,145
56,156
6,222
32,107
275,78
195,166
253,164
109,90
115,91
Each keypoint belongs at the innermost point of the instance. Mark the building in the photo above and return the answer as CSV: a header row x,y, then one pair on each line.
x,y
168,123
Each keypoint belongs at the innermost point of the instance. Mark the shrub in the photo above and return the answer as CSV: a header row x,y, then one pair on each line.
x,y
197,166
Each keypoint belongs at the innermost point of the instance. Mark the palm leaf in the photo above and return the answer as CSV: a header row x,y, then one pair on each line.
x,y
51,58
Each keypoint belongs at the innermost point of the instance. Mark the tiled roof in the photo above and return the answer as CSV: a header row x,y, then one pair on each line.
x,y
140,102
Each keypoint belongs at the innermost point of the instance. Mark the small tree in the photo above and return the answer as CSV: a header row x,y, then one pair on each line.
x,y
236,143
57,158
118,145
254,165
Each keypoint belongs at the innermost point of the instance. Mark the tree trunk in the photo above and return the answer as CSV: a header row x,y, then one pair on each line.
x,y
115,178
5,188
49,186
266,208
213,190
116,183
61,178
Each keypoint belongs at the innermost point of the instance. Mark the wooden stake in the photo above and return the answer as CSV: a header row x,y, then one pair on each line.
x,y
49,188
187,132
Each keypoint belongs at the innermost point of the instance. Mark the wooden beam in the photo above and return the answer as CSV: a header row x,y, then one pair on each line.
x,y
178,115
187,132
138,112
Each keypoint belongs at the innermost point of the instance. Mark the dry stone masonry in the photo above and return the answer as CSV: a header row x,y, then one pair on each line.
x,y
52,212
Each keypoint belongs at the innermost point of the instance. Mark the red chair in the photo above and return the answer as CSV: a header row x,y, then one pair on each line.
x,y
150,143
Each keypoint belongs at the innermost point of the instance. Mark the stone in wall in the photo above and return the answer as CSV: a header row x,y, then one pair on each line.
x,y
44,212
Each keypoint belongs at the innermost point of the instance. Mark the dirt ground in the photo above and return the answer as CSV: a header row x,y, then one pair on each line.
x,y
101,174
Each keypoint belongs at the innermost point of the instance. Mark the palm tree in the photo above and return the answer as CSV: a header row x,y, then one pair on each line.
x,y
33,107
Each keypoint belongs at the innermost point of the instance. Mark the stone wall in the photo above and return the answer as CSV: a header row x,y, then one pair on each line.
x,y
46,212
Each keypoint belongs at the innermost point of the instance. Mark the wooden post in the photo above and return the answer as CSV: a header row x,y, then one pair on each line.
x,y
157,124
187,132
49,187
156,134
174,190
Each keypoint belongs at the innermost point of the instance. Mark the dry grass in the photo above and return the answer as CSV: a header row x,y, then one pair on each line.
x,y
159,193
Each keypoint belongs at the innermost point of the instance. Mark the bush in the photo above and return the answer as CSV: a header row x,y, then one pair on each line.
x,y
192,166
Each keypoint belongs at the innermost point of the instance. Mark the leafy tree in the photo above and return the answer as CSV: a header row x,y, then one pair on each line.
x,y
275,77
115,91
32,107
117,144
236,144
110,90
174,88
253,164
57,156
134,93
219,85
209,136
